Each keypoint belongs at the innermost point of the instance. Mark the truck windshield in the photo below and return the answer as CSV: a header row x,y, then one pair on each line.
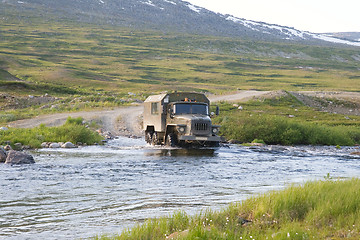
x,y
181,108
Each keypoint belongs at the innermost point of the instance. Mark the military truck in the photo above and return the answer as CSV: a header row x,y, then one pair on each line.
x,y
178,119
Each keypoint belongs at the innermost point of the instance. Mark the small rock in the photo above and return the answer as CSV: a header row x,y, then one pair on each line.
x,y
2,155
233,141
4,128
17,146
355,153
291,116
14,157
54,145
45,145
257,144
56,107
68,145
8,148
240,108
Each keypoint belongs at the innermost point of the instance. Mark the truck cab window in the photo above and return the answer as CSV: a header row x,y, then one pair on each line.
x,y
182,108
154,108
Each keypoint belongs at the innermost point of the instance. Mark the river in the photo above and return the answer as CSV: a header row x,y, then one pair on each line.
x,y
79,193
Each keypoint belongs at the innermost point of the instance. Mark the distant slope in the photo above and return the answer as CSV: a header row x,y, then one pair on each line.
x,y
164,15
350,36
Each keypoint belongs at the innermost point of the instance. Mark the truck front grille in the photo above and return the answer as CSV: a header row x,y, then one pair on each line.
x,y
201,126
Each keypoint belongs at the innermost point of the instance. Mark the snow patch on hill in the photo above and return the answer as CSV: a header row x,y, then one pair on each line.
x,y
194,8
174,3
287,32
335,40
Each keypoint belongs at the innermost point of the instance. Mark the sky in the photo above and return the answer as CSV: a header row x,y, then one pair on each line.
x,y
317,16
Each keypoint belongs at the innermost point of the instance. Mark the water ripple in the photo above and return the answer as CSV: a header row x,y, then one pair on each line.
x,y
82,192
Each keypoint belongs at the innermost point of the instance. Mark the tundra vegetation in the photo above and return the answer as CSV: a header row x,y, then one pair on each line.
x,y
284,120
80,67
66,59
327,209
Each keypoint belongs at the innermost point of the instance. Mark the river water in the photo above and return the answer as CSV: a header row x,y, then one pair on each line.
x,y
79,193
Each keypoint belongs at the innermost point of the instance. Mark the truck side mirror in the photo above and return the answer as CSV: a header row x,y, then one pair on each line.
x,y
171,112
217,110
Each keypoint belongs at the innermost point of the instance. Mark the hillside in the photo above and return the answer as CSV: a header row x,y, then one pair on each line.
x,y
71,58
62,54
350,36
168,16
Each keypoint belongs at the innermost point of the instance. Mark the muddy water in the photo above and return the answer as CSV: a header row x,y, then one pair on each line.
x,y
79,193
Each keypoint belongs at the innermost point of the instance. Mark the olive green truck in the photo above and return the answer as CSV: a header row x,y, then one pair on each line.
x,y
178,119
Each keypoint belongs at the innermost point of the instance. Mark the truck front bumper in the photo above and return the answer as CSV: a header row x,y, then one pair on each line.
x,y
201,138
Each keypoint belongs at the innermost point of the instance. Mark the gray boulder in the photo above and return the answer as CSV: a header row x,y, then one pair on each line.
x,y
2,155
8,148
68,145
54,145
14,157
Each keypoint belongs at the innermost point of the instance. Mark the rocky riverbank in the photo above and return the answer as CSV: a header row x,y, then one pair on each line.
x,y
18,154
10,156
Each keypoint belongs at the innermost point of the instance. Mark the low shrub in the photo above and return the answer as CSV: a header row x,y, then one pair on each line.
x,y
284,131
72,131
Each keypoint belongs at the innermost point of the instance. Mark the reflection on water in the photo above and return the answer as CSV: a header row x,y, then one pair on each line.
x,y
79,193
179,152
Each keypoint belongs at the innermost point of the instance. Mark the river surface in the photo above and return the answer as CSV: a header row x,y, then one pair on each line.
x,y
79,193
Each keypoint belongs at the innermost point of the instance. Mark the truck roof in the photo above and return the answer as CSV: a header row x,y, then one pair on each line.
x,y
179,97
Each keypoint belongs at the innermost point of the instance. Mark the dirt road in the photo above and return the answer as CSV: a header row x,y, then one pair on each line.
x,y
120,121
128,120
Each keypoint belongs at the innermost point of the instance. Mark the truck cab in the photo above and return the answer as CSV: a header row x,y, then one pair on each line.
x,y
178,119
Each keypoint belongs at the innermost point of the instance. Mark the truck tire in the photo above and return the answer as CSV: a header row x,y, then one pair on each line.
x,y
171,140
155,139
148,137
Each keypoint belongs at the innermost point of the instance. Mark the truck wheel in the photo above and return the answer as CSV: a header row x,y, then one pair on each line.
x,y
154,139
171,140
148,137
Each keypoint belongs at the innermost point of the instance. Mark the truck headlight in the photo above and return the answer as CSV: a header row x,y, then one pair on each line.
x,y
181,129
215,130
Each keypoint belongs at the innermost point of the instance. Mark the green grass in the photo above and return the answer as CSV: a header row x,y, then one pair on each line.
x,y
70,60
24,109
72,131
285,121
317,210
78,58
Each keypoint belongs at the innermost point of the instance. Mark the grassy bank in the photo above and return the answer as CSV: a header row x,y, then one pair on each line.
x,y
317,210
286,121
72,131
